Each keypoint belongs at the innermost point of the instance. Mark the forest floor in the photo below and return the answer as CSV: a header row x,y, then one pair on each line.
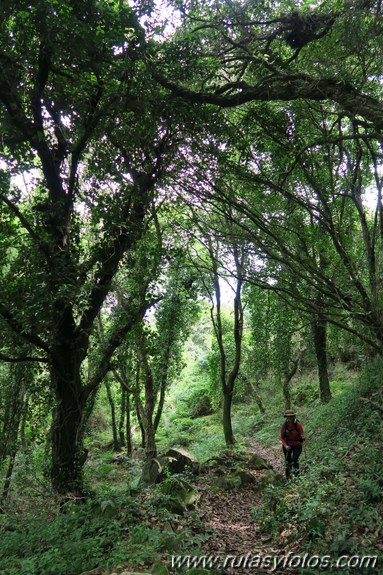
x,y
236,536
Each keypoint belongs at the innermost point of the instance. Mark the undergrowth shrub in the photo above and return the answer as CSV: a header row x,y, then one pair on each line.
x,y
335,506
111,529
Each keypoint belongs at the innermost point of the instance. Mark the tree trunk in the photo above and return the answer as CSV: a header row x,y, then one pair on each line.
x,y
24,423
227,426
16,412
320,343
286,383
148,408
8,476
67,448
228,380
141,424
161,402
122,377
258,399
150,432
150,440
129,446
116,444
253,387
121,424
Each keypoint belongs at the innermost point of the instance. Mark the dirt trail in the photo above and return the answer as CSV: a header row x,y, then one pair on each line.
x,y
272,454
230,516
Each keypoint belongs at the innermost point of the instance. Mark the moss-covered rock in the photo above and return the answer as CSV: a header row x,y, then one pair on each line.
x,y
245,476
182,495
258,463
181,460
269,478
227,482
150,472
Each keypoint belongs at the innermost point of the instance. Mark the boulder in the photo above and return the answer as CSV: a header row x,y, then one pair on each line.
x,y
257,463
182,495
181,461
245,476
151,471
228,482
212,466
269,478
230,457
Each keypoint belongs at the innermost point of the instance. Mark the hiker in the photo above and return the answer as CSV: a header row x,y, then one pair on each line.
x,y
292,437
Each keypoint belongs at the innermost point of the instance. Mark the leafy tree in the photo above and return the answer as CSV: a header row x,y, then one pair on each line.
x,y
275,52
88,131
208,262
309,134
159,348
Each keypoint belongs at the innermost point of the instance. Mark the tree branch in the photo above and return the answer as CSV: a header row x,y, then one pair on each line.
x,y
286,88
19,329
23,220
113,343
20,359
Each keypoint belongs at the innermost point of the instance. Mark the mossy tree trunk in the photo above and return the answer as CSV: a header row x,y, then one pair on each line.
x,y
319,327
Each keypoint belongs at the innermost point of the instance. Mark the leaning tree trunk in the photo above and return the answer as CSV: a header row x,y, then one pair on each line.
x,y
319,327
258,399
288,376
15,414
286,389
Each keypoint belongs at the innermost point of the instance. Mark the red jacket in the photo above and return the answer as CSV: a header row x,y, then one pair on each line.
x,y
294,436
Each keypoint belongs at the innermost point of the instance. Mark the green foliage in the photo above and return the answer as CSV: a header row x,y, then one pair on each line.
x,y
342,479
112,529
199,403
91,128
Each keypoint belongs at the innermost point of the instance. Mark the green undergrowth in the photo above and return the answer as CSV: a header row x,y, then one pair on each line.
x,y
335,507
113,529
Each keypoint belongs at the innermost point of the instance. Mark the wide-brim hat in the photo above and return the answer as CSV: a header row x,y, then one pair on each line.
x,y
290,413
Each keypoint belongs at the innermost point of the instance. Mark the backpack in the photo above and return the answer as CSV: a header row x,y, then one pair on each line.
x,y
286,433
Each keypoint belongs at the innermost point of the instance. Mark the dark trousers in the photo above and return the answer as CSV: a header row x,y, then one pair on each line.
x,y
292,459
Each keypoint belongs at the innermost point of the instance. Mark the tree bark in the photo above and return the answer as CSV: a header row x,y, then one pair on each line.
x,y
319,327
129,445
121,424
116,444
15,414
8,476
226,419
286,383
67,447
287,89
258,399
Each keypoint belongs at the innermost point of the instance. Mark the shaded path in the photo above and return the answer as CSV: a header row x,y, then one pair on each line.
x,y
272,454
230,517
